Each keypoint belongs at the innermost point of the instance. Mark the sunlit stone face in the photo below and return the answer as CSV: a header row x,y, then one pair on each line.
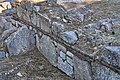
x,y
35,1
5,6
77,1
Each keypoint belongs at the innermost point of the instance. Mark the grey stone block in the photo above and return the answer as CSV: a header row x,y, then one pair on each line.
x,y
2,54
70,61
102,73
65,67
82,69
21,41
69,36
110,55
62,55
61,48
48,49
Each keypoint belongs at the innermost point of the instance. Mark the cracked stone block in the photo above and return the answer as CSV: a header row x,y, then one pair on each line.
x,y
62,55
48,49
33,18
70,61
69,36
21,41
65,67
45,25
82,69
101,72
111,55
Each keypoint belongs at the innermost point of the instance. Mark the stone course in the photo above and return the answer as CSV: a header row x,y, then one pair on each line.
x,y
64,47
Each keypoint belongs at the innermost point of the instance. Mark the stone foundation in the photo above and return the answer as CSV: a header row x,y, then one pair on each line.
x,y
57,44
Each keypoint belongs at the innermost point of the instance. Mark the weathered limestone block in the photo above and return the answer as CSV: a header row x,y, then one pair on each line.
x,y
2,54
45,24
65,67
38,23
69,60
8,25
7,32
33,18
61,48
82,69
21,41
62,55
111,55
69,36
102,73
48,49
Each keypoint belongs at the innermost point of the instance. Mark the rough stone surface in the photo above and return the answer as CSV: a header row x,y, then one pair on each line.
x,y
66,67
69,60
8,25
82,69
102,73
61,48
70,54
7,32
69,36
111,55
21,41
2,54
57,27
47,47
62,55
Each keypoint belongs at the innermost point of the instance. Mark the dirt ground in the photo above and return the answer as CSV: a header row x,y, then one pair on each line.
x,y
105,9
29,66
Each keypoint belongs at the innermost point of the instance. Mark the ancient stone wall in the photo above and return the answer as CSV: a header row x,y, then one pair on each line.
x,y
57,41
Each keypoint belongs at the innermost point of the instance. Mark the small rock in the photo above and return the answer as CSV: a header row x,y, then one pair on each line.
x,y
70,37
114,49
57,27
8,12
19,74
70,54
2,54
37,8
41,67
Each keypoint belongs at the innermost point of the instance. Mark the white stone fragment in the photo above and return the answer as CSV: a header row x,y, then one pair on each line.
x,y
19,74
62,55
69,54
70,61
